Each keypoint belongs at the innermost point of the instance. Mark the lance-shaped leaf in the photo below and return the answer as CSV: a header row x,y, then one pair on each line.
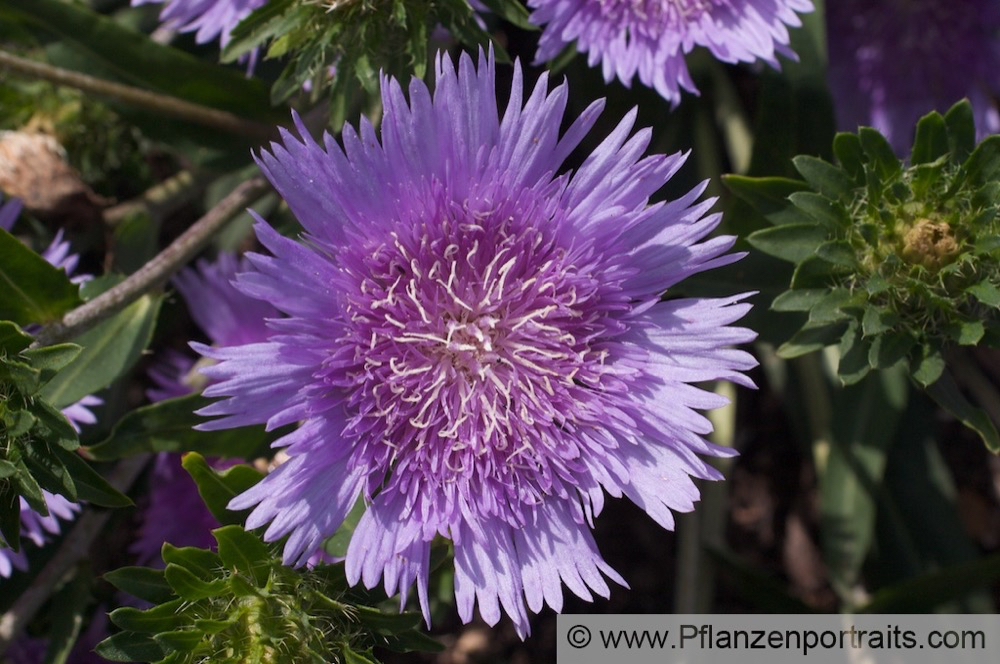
x,y
109,350
33,291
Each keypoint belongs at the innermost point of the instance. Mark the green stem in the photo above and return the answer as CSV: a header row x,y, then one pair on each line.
x,y
157,271
152,101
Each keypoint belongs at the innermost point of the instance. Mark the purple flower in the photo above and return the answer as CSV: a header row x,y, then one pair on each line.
x,y
9,212
475,343
652,37
894,61
174,512
208,19
37,529
225,314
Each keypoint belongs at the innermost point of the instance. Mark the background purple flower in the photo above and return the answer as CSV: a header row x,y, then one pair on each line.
x,y
894,61
476,344
37,529
173,511
652,37
225,314
208,19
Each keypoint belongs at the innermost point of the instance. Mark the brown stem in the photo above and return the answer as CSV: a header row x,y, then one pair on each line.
x,y
156,272
152,101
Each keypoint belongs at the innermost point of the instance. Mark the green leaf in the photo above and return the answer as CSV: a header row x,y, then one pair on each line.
x,y
25,378
136,59
791,242
90,485
166,616
853,365
109,350
966,333
182,640
203,563
838,252
513,12
51,474
802,299
352,657
876,321
850,480
947,395
880,153
931,140
986,293
961,130
130,647
825,178
167,426
242,551
830,309
810,339
51,359
55,428
768,196
813,272
10,515
850,154
33,291
12,338
925,593
888,349
830,214
217,489
928,368
142,582
264,23
983,165
189,586
6,469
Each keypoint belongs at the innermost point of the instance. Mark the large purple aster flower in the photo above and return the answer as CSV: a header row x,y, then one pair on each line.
x,y
475,343
892,62
652,37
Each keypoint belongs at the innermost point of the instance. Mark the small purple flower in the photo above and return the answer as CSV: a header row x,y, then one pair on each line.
x,y
9,212
892,62
652,37
37,529
208,19
476,344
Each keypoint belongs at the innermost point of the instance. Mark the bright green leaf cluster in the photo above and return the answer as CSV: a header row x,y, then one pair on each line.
x,y
242,605
37,443
895,261
336,44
